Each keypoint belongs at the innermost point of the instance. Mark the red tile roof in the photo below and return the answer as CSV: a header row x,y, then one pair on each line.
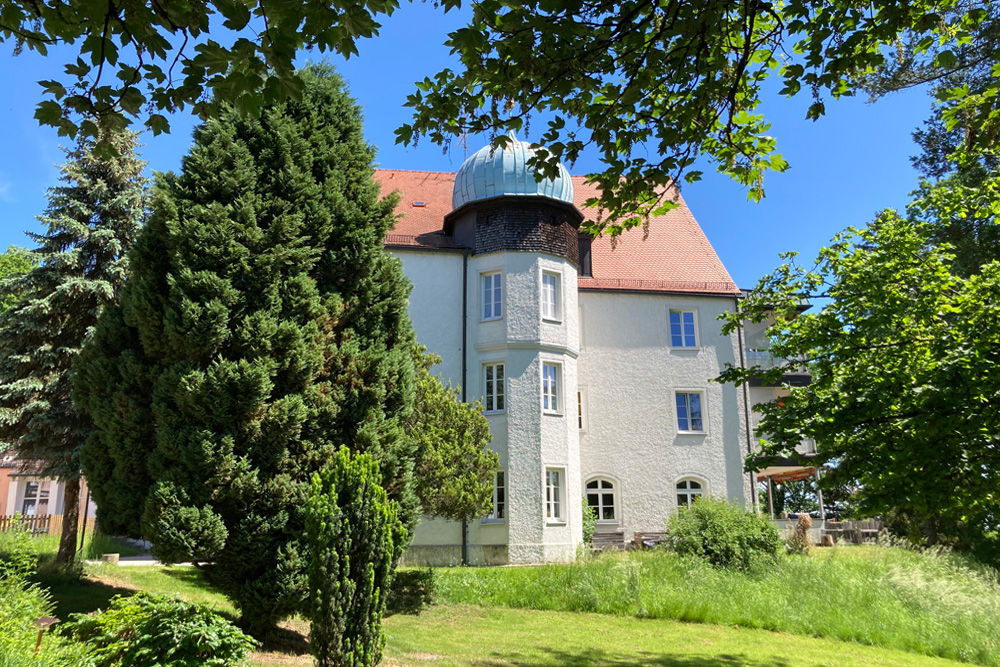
x,y
419,226
674,257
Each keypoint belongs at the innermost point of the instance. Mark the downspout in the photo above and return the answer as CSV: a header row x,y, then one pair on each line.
x,y
465,340
746,412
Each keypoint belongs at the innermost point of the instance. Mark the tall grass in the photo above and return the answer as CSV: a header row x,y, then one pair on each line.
x,y
933,603
95,544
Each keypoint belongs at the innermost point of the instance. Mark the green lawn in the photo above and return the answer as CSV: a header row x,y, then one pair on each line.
x,y
461,634
447,635
927,603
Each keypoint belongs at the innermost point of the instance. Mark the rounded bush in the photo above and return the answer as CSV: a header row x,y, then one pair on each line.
x,y
725,534
150,629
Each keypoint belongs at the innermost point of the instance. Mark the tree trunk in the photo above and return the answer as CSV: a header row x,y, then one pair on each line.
x,y
71,519
931,531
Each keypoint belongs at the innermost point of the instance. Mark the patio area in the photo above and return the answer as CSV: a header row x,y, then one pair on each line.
x,y
834,530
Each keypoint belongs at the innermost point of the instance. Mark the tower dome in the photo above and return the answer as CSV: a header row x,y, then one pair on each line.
x,y
492,172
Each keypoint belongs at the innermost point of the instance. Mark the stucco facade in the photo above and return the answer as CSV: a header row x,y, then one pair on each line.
x,y
606,354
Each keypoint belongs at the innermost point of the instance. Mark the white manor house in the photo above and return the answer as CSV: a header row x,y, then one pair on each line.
x,y
593,362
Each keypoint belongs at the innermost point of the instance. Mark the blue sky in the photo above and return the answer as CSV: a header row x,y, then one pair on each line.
x,y
844,168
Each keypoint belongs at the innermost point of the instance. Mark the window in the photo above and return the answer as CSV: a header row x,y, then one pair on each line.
x,y
581,407
553,494
583,245
499,501
550,296
36,499
601,496
689,412
492,296
550,388
682,329
493,391
687,491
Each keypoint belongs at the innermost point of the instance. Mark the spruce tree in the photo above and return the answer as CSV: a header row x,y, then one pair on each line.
x,y
92,219
263,327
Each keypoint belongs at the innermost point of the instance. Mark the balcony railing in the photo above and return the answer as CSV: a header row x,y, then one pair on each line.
x,y
767,361
763,358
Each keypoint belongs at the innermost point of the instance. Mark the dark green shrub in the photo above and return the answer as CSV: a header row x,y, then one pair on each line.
x,y
148,630
725,534
411,591
354,536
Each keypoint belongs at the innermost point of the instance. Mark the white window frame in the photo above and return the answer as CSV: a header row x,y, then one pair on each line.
x,y
502,394
41,496
670,328
499,499
689,492
555,497
703,401
554,406
496,283
581,409
616,505
556,315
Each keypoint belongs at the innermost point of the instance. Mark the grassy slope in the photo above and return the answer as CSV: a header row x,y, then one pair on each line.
x,y
454,634
449,635
925,603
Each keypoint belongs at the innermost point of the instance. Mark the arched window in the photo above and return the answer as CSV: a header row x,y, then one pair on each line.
x,y
688,490
601,496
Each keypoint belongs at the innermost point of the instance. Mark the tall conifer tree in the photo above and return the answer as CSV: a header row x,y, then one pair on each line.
x,y
263,327
80,265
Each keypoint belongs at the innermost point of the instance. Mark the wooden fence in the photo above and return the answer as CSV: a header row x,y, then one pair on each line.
x,y
47,524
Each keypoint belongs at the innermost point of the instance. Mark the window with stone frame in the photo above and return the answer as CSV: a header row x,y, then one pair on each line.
x,y
499,512
493,388
683,329
554,494
551,301
690,411
550,388
688,490
600,493
492,295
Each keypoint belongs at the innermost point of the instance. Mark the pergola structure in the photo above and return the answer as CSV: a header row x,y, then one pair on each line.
x,y
787,470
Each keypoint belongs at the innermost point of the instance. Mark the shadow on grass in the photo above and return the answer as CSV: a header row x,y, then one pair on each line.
x,y
289,638
599,658
74,594
193,576
411,591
